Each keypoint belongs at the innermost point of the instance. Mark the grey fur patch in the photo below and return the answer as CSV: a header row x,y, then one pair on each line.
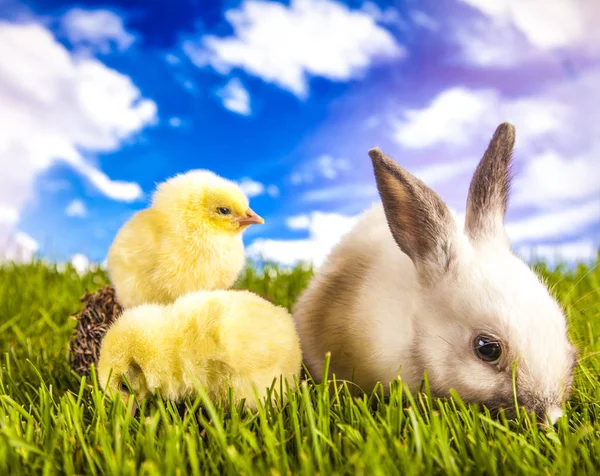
x,y
418,218
322,308
489,190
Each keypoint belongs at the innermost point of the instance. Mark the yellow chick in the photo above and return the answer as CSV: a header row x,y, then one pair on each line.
x,y
188,240
215,339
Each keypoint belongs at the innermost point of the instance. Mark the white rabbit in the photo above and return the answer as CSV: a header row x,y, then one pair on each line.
x,y
429,296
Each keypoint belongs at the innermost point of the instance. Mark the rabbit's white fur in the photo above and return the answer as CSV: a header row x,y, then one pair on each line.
x,y
382,314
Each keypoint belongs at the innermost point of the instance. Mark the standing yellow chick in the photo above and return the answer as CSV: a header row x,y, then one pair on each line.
x,y
215,339
188,240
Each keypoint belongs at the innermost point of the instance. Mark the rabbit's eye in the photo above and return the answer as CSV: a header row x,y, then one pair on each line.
x,y
487,348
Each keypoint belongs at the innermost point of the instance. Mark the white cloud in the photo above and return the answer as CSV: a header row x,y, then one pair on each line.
x,y
341,192
235,97
8,215
286,45
557,146
432,175
330,167
324,166
76,208
510,32
568,221
423,20
558,179
458,116
186,83
487,44
296,178
445,119
299,222
553,254
175,121
55,107
389,16
172,59
98,30
251,188
113,189
325,230
189,85
437,173
81,263
18,247
546,24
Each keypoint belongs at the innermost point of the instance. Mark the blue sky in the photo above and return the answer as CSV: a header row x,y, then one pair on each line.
x,y
101,100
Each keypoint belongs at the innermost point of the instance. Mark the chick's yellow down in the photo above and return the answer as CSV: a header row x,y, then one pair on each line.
x,y
188,240
214,339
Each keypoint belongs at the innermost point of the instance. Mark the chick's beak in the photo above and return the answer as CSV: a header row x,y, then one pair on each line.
x,y
250,218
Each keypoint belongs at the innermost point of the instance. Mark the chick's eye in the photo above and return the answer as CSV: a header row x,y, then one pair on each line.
x,y
487,348
224,210
123,387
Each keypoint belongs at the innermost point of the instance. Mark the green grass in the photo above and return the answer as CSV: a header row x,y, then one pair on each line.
x,y
53,422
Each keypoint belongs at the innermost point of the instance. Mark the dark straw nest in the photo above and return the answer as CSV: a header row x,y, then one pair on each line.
x,y
101,308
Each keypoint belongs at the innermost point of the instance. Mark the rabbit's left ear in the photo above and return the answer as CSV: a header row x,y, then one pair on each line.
x,y
419,220
488,193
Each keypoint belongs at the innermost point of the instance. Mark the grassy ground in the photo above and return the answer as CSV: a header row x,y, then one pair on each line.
x,y
53,422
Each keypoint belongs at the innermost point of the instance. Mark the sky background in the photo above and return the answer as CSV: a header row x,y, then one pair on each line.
x,y
101,100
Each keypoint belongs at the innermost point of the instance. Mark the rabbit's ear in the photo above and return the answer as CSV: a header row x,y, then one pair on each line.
x,y
419,220
488,193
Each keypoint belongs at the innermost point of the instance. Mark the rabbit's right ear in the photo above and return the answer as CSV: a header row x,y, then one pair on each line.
x,y
419,220
488,193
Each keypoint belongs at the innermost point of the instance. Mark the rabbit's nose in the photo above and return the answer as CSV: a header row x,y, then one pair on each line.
x,y
552,415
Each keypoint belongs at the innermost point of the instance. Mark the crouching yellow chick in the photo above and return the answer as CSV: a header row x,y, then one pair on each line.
x,y
217,340
188,240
